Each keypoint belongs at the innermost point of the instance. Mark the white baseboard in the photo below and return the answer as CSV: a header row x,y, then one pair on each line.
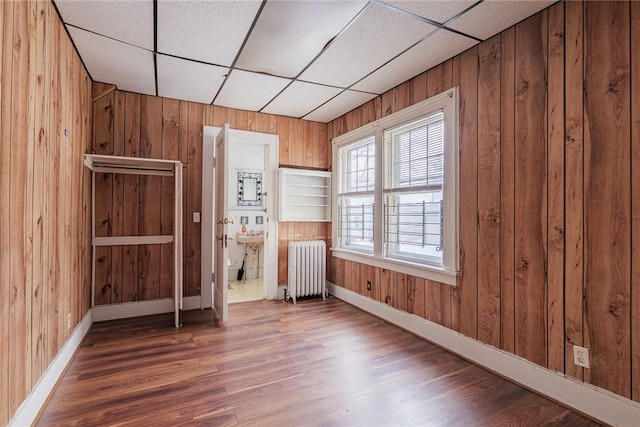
x,y
141,308
28,411
585,398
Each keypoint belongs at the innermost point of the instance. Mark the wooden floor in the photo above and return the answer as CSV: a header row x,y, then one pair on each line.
x,y
318,363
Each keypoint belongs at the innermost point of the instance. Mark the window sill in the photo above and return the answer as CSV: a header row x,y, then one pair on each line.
x,y
435,274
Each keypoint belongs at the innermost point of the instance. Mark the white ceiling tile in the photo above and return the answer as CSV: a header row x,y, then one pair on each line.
x,y
369,42
436,49
493,16
341,104
109,61
188,80
300,98
285,50
127,21
435,10
249,91
208,31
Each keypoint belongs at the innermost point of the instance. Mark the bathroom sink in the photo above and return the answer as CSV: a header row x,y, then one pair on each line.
x,y
245,238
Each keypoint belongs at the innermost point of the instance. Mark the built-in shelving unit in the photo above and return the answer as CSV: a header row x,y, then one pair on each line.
x,y
141,166
305,195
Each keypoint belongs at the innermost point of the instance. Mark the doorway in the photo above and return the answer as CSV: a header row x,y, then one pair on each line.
x,y
251,174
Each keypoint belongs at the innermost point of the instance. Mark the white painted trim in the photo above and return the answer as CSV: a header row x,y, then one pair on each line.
x,y
129,171
209,134
429,272
31,406
195,303
585,398
132,240
125,310
143,164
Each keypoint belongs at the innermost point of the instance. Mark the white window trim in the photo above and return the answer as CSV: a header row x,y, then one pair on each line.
x,y
448,102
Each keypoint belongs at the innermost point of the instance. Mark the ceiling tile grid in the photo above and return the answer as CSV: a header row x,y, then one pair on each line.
x,y
432,51
127,21
493,16
188,80
249,91
438,11
315,59
368,43
207,31
128,67
285,50
341,104
300,98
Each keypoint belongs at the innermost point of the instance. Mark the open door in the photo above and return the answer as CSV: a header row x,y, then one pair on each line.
x,y
220,222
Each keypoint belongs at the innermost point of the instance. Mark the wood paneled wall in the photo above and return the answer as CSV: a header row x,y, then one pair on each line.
x,y
549,193
45,126
148,126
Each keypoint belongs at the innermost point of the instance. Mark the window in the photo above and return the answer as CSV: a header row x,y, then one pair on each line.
x,y
406,164
413,178
355,200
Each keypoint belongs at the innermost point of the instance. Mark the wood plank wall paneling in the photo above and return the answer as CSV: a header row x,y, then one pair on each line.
x,y
45,126
507,190
607,194
549,193
635,201
555,191
489,192
468,194
574,182
148,126
6,39
531,189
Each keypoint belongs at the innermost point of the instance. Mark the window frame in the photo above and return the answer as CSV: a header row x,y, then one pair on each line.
x,y
448,103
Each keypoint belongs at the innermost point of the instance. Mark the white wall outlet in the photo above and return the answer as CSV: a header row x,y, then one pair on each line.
x,y
69,321
581,356
196,217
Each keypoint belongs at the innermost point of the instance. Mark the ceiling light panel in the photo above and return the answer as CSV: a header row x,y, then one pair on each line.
x,y
127,21
130,68
249,91
432,51
207,31
341,104
300,98
438,11
493,16
289,34
188,80
378,35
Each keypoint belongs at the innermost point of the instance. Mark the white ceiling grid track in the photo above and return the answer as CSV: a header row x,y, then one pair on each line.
x,y
309,59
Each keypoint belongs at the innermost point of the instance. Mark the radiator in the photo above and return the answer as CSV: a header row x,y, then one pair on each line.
x,y
307,268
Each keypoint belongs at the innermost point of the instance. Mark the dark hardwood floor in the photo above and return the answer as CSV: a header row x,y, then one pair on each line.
x,y
317,363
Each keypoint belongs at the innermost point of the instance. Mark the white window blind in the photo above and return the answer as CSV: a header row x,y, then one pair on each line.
x,y
413,169
414,154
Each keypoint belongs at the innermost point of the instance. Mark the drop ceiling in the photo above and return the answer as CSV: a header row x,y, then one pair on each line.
x,y
310,59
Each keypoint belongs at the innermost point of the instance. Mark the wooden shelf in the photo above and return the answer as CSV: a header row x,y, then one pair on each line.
x,y
305,195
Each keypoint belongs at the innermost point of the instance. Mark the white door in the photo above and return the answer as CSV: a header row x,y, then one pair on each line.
x,y
220,223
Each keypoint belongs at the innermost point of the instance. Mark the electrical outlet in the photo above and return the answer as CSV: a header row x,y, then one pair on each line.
x,y
368,285
581,356
69,321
